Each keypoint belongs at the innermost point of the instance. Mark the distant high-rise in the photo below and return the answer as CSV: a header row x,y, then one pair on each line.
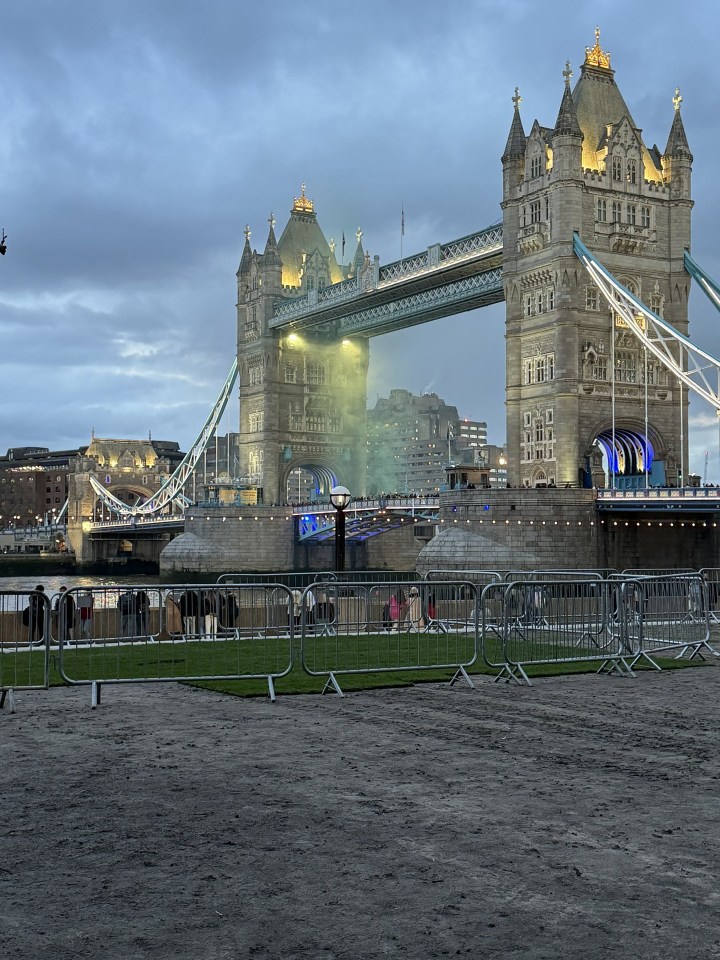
x,y
410,441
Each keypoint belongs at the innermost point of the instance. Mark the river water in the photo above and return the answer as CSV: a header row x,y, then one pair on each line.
x,y
53,582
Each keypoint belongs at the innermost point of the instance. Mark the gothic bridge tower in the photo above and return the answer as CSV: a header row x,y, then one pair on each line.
x,y
576,376
302,395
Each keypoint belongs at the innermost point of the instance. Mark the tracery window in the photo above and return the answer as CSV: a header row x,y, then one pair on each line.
x,y
617,168
315,372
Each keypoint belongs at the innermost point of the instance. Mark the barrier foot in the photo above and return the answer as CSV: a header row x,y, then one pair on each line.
x,y
513,672
8,694
461,673
646,656
271,689
95,694
697,649
332,682
618,665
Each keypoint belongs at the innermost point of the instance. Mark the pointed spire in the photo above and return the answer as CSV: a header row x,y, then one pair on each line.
x,y
359,259
677,145
246,254
516,141
271,248
567,121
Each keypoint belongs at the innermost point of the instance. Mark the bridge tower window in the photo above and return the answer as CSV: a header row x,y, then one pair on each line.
x,y
592,300
632,171
616,211
645,217
631,213
626,366
535,166
315,373
617,168
601,209
535,211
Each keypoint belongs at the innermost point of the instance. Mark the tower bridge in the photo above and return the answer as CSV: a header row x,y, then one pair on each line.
x,y
592,260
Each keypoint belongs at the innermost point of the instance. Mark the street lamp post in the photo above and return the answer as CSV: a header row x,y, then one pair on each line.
x,y
340,497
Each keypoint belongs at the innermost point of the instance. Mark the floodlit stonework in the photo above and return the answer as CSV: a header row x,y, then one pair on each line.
x,y
591,173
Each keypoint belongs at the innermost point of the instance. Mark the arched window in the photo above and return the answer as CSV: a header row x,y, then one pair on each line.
x,y
632,171
315,372
617,168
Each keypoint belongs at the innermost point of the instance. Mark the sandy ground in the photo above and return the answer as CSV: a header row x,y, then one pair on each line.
x,y
577,819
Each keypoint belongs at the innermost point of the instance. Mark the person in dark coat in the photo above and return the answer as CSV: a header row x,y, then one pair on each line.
x,y
36,616
64,615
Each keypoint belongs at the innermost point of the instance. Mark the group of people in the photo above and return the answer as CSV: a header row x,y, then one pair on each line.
x,y
203,613
71,617
407,613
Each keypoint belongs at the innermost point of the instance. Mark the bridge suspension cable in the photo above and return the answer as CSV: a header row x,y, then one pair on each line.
x,y
691,365
706,283
171,489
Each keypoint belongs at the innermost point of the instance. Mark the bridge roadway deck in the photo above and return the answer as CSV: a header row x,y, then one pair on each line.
x,y
574,820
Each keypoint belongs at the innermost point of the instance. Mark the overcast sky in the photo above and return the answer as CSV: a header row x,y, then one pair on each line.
x,y
140,136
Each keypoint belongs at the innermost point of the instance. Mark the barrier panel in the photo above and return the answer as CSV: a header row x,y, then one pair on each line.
x,y
24,643
300,580
380,628
543,575
545,621
666,613
711,576
185,632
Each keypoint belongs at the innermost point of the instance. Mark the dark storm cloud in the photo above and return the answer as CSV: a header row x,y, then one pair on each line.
x,y
139,138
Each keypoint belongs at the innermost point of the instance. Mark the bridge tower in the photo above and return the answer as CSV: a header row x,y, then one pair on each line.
x,y
302,394
576,375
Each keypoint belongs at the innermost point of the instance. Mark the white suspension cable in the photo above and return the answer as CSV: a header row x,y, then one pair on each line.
x,y
688,363
171,489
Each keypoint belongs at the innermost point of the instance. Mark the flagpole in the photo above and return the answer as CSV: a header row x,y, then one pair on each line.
x,y
402,228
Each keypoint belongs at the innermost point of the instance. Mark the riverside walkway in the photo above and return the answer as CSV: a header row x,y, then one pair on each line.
x,y
574,819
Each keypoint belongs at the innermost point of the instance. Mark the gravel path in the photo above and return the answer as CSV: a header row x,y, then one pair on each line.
x,y
577,819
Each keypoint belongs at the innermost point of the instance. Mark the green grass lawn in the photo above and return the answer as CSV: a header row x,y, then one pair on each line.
x,y
374,654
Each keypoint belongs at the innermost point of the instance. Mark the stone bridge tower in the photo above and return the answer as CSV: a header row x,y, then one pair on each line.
x,y
569,360
303,394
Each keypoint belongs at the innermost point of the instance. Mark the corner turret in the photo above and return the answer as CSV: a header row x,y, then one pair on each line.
x,y
513,158
677,159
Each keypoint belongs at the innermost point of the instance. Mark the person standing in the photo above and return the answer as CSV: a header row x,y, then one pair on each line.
x,y
64,615
85,609
142,614
36,613
414,612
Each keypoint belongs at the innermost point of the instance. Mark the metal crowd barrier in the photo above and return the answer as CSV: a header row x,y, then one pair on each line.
x,y
667,613
25,618
300,580
184,632
538,576
383,627
551,621
711,576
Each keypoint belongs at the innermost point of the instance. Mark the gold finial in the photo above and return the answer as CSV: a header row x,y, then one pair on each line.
x,y
303,204
247,232
271,220
517,99
677,99
567,73
597,57
358,234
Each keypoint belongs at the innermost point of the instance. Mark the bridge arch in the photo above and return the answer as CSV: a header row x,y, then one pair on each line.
x,y
622,454
308,478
